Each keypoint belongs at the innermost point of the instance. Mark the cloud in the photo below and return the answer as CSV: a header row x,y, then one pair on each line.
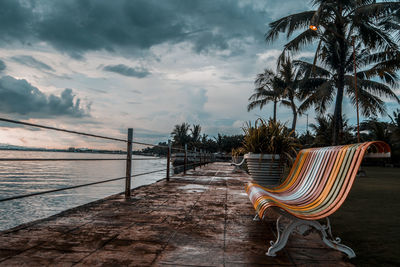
x,y
14,21
19,96
127,71
32,62
2,65
76,26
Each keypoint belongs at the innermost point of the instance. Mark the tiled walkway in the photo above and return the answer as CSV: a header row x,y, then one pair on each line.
x,y
201,219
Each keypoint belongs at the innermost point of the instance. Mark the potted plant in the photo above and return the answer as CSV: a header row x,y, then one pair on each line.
x,y
270,146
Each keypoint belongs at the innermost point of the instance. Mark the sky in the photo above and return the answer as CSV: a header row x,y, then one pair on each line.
x,y
101,66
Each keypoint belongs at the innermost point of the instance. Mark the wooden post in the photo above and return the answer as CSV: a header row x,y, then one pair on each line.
x,y
185,161
194,159
128,165
168,158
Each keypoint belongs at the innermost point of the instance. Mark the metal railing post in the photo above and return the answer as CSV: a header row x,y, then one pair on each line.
x,y
185,161
168,158
128,164
201,150
194,159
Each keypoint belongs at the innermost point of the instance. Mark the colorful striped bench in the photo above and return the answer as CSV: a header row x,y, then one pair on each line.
x,y
316,187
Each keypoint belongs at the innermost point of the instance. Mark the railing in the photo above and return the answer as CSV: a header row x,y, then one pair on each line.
x,y
202,156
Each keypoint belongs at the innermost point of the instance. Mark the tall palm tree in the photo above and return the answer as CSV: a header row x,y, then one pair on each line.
x,y
266,91
321,82
290,81
180,134
373,26
284,87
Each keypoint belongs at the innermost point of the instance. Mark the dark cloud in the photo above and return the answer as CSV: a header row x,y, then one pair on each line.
x,y
19,96
2,65
15,21
127,71
32,62
78,26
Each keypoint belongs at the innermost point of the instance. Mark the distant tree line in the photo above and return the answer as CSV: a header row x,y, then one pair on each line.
x,y
321,134
191,135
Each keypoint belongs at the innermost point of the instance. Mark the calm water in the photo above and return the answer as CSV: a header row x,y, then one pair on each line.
x,y
18,178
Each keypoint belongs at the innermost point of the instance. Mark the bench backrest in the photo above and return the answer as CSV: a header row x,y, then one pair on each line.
x,y
318,182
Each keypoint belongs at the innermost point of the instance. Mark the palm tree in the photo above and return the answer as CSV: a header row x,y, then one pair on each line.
x,y
324,134
266,91
395,127
180,134
195,135
377,130
373,27
284,88
321,83
290,81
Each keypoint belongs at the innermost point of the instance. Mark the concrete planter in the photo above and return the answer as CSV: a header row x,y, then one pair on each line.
x,y
265,169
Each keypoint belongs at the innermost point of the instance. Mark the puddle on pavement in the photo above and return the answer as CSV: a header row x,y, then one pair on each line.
x,y
193,188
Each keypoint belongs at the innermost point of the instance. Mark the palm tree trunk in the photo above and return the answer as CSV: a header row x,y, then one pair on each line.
x,y
275,110
337,115
294,114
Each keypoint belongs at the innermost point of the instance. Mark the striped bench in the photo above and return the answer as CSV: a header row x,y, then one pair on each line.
x,y
315,188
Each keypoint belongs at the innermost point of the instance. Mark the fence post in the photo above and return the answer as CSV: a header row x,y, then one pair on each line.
x,y
194,159
201,150
128,165
168,158
185,161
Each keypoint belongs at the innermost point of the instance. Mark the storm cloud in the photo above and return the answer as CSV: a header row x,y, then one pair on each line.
x,y
127,71
32,62
20,97
2,65
76,26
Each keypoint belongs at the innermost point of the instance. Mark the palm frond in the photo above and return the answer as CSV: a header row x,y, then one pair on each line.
x,y
257,103
289,23
305,38
373,87
375,37
310,68
375,10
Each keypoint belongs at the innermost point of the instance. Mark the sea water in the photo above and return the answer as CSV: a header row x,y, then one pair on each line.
x,y
26,177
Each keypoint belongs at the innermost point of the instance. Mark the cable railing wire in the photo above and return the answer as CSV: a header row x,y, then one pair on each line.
x,y
75,186
62,130
85,134
71,159
163,146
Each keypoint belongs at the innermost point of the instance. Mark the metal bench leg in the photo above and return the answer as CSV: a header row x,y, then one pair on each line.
x,y
256,217
302,226
332,242
283,233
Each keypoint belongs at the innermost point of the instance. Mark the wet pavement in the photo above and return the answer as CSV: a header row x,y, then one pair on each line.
x,y
202,219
